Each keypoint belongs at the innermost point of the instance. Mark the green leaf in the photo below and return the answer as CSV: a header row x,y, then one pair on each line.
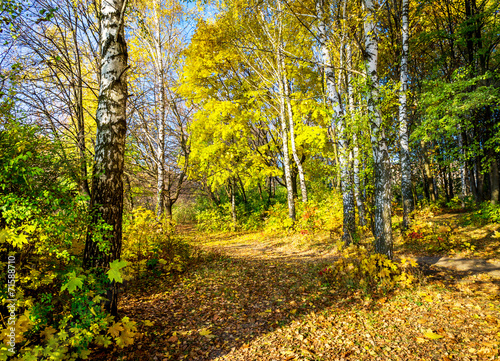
x,y
114,273
73,283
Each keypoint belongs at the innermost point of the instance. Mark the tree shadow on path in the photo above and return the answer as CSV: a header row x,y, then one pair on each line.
x,y
221,305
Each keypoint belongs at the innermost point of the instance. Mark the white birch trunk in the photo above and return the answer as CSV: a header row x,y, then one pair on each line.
x,y
407,194
284,138
107,183
382,227
300,168
333,96
282,115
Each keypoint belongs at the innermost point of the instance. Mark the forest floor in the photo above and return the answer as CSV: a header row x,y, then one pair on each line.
x,y
258,296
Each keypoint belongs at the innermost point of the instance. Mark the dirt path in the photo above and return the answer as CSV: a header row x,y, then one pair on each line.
x,y
261,300
463,264
284,253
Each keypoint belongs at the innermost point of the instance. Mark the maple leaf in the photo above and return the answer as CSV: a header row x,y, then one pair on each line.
x,y
114,273
115,329
48,332
73,283
84,354
206,332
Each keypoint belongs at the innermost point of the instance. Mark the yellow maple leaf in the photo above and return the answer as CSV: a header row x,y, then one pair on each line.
x,y
115,329
206,332
48,332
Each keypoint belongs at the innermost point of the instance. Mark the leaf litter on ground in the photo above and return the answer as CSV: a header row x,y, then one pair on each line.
x,y
255,302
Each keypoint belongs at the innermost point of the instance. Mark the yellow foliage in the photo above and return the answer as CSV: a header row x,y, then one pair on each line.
x,y
357,269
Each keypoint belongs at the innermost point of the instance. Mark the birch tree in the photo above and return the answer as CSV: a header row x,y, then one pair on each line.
x,y
403,123
107,184
338,123
160,116
382,227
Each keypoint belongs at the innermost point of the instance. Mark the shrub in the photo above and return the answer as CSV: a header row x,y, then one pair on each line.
x,y
313,216
56,312
153,246
356,269
215,219
487,213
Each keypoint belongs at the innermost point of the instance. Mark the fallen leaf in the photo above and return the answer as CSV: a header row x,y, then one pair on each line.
x,y
431,335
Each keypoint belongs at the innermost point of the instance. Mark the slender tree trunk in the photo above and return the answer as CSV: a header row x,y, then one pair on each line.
x,y
338,123
107,181
298,163
232,189
436,189
270,192
429,178
445,183
355,146
382,163
156,53
407,195
479,180
463,167
472,181
450,182
284,129
161,156
426,184
494,182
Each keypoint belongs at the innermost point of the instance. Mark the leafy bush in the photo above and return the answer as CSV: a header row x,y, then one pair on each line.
x,y
153,246
313,216
356,269
57,309
487,213
215,219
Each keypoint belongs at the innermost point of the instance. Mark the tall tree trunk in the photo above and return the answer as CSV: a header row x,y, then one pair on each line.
x,y
355,146
284,126
160,154
407,195
450,183
382,195
298,163
156,53
107,183
472,181
426,184
445,183
479,180
338,123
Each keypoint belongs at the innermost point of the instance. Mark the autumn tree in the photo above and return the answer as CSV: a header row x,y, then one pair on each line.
x,y
159,115
107,183
382,227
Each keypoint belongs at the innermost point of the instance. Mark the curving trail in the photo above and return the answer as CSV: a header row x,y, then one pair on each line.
x,y
254,298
